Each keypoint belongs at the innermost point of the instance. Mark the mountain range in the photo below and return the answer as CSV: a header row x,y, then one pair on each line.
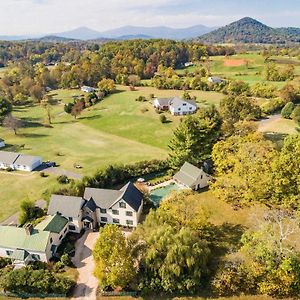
x,y
248,30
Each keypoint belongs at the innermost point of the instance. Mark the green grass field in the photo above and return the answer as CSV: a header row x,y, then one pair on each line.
x,y
250,71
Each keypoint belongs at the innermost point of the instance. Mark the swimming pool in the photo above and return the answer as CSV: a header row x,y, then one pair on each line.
x,y
157,195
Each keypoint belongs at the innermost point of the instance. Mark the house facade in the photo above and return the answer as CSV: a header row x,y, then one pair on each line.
x,y
28,244
99,207
175,105
192,177
69,207
20,162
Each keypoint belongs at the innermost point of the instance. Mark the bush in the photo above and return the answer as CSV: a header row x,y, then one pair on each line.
x,y
4,262
63,179
272,106
163,119
141,99
296,114
42,174
66,260
286,112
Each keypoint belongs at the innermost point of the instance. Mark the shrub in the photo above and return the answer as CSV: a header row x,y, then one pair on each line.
x,y
296,114
42,174
65,259
141,99
163,119
272,106
63,179
286,112
4,262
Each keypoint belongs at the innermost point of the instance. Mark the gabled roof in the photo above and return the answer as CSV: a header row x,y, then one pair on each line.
x,y
188,174
17,238
107,198
103,198
177,102
132,196
8,157
54,224
26,160
68,206
163,101
19,255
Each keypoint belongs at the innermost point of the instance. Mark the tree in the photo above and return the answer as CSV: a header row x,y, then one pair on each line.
x,y
47,106
29,212
289,94
238,87
193,139
12,123
114,262
286,112
296,114
77,109
163,118
68,107
5,107
106,85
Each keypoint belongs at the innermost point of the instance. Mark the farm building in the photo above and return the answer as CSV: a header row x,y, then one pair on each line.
x,y
192,177
88,89
175,105
17,161
215,79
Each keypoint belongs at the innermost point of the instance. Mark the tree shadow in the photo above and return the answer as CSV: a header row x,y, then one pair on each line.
x,y
90,117
33,135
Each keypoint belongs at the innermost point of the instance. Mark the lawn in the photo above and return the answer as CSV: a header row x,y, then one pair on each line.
x,y
116,130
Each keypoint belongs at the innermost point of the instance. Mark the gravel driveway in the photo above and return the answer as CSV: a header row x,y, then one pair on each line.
x,y
86,284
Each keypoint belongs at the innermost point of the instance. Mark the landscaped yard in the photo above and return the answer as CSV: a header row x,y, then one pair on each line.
x,y
116,130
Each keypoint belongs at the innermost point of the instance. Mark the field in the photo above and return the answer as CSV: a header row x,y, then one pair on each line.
x,y
116,130
247,67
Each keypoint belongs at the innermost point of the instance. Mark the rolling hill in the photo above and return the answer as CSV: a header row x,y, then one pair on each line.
x,y
248,30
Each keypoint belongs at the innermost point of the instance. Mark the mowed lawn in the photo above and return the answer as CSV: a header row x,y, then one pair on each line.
x,y
116,130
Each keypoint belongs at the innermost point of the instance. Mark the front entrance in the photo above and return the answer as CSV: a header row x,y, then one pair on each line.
x,y
88,225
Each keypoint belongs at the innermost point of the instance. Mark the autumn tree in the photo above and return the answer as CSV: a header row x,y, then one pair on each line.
x,y
114,265
12,123
46,104
106,86
5,107
77,109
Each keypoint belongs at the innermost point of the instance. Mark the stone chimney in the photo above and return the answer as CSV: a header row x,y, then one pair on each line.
x,y
28,229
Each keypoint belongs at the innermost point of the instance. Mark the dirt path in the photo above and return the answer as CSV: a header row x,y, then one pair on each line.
x,y
86,284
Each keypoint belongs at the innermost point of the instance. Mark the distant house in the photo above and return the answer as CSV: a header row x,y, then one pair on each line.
x,y
28,244
2,143
17,161
88,89
188,64
215,79
175,105
192,177
70,207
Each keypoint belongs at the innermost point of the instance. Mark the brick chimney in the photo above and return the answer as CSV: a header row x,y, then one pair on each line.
x,y
28,229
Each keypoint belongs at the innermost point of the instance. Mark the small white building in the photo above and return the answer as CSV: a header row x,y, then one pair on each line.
x,y
175,105
192,177
2,143
215,79
188,64
20,162
88,89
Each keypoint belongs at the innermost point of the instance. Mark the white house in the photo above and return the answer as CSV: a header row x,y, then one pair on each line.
x,y
120,207
70,207
88,89
40,243
215,79
192,177
17,161
2,143
175,105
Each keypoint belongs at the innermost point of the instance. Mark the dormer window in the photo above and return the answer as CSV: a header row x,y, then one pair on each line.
x,y
122,205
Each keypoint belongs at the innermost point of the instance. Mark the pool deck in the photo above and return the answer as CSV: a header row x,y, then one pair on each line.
x,y
160,185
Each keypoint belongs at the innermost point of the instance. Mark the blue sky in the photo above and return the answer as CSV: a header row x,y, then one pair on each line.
x,y
50,16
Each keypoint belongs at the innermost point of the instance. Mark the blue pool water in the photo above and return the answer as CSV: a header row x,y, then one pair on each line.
x,y
157,195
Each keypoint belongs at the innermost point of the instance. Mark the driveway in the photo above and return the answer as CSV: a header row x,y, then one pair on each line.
x,y
86,284
59,171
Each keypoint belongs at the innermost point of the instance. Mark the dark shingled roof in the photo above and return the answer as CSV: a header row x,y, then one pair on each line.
x,y
107,198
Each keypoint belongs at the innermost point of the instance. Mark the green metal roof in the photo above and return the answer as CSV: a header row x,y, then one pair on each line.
x,y
17,238
54,224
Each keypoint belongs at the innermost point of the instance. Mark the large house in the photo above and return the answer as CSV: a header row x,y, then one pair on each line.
x,y
17,161
2,143
192,177
99,207
88,89
175,105
24,245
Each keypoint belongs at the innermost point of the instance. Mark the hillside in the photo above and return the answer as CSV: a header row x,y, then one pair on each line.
x,y
248,30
